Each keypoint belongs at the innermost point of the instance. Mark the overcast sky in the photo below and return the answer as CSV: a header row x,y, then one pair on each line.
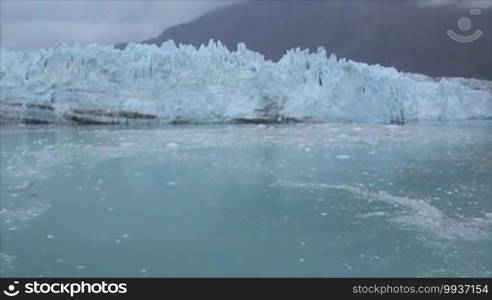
x,y
43,23
35,24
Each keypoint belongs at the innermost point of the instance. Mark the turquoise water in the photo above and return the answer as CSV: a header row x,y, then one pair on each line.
x,y
290,200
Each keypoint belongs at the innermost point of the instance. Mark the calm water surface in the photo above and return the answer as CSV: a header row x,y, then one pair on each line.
x,y
291,200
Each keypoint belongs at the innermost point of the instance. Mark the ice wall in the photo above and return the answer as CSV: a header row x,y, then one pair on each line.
x,y
174,84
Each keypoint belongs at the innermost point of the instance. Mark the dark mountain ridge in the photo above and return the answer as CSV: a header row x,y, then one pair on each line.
x,y
400,34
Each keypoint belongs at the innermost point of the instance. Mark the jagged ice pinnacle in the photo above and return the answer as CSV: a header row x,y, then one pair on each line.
x,y
211,84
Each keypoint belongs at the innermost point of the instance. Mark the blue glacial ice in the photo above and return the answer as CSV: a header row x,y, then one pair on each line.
x,y
173,84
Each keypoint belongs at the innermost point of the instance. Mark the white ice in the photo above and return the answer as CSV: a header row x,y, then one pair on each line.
x,y
213,84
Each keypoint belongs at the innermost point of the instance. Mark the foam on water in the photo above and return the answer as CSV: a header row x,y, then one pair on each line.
x,y
414,214
384,190
6,263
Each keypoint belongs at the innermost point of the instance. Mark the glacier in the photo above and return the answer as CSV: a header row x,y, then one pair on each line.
x,y
174,84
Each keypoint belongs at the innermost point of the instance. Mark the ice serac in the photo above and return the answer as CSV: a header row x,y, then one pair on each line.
x,y
183,84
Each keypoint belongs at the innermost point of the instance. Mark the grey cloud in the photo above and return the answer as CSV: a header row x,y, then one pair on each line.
x,y
40,24
464,3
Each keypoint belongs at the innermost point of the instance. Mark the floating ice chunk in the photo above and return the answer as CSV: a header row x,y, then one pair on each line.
x,y
50,236
24,186
343,156
374,214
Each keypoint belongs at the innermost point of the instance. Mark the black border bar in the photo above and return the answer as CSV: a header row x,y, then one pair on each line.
x,y
251,288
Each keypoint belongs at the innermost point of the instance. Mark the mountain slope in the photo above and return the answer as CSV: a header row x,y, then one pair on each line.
x,y
391,33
